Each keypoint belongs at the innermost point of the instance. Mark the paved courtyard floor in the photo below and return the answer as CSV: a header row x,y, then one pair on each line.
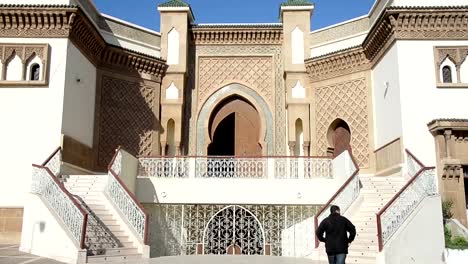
x,y
9,254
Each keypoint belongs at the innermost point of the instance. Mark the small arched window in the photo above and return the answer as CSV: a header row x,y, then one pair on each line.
x,y
447,74
35,72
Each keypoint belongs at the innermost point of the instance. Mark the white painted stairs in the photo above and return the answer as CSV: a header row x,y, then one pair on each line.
x,y
374,195
106,239
376,192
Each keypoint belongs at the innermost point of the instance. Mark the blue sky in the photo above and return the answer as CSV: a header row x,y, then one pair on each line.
x,y
144,12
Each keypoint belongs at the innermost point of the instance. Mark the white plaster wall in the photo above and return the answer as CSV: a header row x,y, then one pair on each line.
x,y
79,98
421,100
297,46
31,120
236,191
420,240
337,45
173,49
386,99
14,69
453,256
40,228
36,2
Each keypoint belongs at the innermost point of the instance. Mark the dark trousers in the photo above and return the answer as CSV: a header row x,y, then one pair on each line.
x,y
337,259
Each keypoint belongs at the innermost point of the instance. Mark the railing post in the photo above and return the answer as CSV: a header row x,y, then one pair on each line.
x,y
191,167
300,167
271,168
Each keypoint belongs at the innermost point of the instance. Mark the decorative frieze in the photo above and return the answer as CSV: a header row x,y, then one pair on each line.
x,y
416,23
333,65
33,21
271,35
62,21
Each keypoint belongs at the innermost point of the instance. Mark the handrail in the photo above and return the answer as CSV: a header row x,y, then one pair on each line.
x,y
80,233
418,175
115,175
341,190
233,157
53,162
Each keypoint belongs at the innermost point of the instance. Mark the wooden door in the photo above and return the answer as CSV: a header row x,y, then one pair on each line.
x,y
341,140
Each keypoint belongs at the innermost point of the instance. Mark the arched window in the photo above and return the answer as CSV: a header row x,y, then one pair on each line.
x,y
447,74
34,74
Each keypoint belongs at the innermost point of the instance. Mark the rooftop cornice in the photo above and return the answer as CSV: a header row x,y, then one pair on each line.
x,y
237,25
416,23
396,23
271,35
67,21
336,64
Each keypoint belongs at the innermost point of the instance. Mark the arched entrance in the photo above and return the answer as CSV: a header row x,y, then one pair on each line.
x,y
234,129
234,231
339,136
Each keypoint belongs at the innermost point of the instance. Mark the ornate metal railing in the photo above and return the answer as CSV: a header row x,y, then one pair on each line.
x,y
45,184
392,216
124,200
236,167
345,196
164,167
54,162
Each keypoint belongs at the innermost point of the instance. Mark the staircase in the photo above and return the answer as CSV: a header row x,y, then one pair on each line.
x,y
106,239
375,193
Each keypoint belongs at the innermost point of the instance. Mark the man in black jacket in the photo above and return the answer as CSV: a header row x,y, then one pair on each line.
x,y
336,229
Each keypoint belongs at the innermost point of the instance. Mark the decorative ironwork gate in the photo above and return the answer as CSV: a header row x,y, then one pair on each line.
x,y
235,231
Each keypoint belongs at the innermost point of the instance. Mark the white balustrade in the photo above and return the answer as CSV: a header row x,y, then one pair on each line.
x,y
236,167
422,183
131,209
404,204
59,200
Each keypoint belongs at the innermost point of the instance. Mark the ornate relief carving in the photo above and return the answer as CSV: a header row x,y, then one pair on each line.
x,y
457,55
25,52
43,21
254,71
447,23
68,21
272,35
277,88
126,118
337,64
348,101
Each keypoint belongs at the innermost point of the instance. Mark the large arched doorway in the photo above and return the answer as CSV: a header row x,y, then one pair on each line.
x,y
339,136
234,129
234,231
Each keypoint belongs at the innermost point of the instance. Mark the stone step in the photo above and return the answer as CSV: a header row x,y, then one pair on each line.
x,y
114,258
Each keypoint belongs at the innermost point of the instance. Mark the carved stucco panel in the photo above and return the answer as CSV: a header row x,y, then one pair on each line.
x,y
348,101
126,118
256,72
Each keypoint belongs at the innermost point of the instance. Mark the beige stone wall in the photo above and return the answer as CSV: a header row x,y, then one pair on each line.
x,y
389,157
451,143
11,221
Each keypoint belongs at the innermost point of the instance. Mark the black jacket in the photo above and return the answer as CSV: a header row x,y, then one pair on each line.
x,y
335,228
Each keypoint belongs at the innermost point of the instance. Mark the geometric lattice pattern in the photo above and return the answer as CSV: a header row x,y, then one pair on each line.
x,y
347,101
255,72
126,119
179,229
